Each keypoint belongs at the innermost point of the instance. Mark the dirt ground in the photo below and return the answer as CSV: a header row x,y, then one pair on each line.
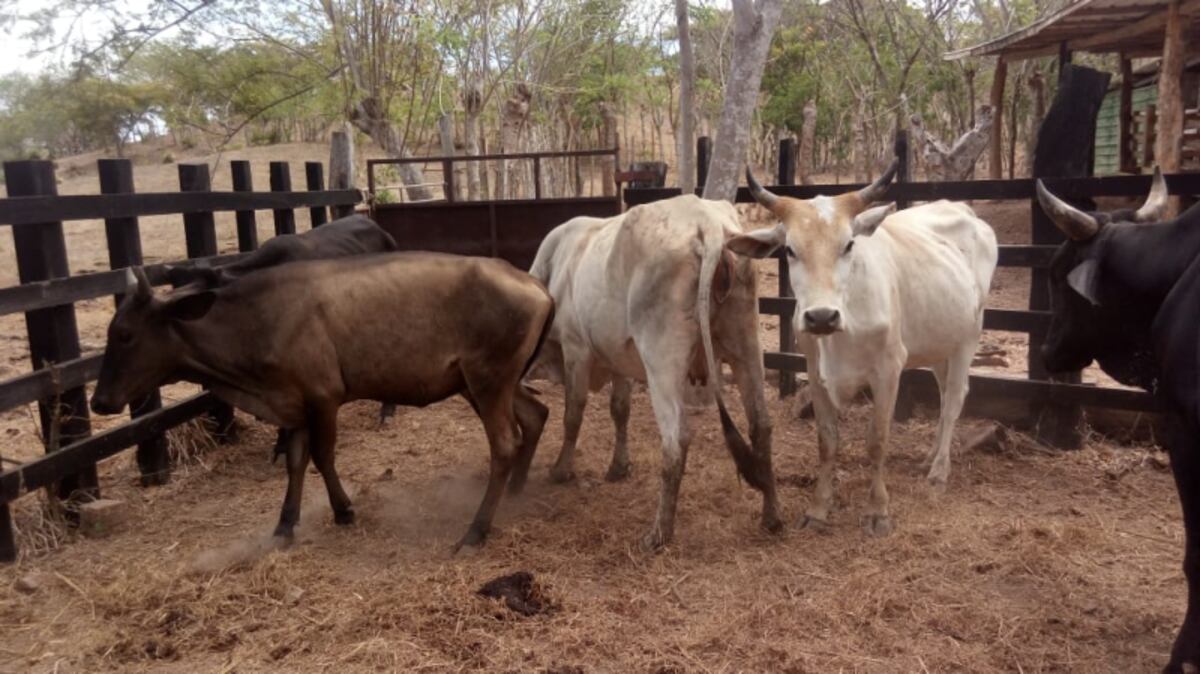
x,y
1029,561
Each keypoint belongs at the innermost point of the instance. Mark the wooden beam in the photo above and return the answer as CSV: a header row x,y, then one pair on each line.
x,y
1125,160
1064,58
995,164
1170,97
1152,23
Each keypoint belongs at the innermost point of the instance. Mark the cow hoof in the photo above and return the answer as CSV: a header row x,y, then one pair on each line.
x,y
283,537
618,471
515,486
653,542
561,476
813,523
937,484
474,538
772,524
876,526
344,517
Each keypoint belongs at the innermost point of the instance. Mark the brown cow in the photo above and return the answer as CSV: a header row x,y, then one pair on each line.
x,y
291,344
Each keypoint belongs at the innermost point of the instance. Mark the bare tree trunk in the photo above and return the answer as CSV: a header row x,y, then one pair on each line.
x,y
861,162
685,134
1038,85
610,140
514,114
369,118
472,98
754,26
804,158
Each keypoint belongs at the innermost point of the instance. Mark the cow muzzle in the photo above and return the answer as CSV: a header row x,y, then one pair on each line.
x,y
822,320
104,405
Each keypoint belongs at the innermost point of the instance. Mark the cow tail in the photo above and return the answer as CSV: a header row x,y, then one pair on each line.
x,y
743,455
549,323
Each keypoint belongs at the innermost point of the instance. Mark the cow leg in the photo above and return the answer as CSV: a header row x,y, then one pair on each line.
x,y
748,374
817,515
576,376
495,403
665,376
531,417
1183,442
297,463
954,381
386,411
884,385
618,408
322,432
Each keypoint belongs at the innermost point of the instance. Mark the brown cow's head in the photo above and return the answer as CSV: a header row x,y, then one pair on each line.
x,y
818,236
143,351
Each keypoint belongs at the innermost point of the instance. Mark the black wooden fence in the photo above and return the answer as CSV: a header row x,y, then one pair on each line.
x,y
1052,406
47,293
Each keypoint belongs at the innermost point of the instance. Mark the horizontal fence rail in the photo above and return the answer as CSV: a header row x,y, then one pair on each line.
x,y
48,293
36,210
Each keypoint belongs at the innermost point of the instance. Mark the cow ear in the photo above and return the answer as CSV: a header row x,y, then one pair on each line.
x,y
190,306
868,221
759,243
1084,279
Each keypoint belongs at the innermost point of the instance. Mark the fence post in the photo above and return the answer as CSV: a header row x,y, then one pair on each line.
x,y
787,162
341,169
247,225
902,172
537,178
201,232
125,250
703,155
281,181
314,177
787,330
53,334
8,543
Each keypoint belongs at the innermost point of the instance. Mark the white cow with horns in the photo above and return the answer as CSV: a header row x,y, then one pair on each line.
x,y
653,295
876,293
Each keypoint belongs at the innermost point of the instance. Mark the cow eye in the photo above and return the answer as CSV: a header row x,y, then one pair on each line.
x,y
125,338
849,245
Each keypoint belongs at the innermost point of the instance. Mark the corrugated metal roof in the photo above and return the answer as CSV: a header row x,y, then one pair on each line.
x,y
1133,27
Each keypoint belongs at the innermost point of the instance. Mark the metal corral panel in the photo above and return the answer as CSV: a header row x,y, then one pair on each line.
x,y
511,230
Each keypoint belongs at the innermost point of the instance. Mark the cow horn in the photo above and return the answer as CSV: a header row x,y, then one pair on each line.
x,y
1156,202
874,192
760,194
1077,225
144,290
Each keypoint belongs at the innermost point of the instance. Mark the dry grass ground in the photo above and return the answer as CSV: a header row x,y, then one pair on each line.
x,y
1028,562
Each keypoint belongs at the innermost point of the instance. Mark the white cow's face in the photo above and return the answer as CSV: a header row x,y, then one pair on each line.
x,y
818,237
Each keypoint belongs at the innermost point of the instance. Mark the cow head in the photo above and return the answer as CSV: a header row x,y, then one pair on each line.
x,y
1090,319
143,352
818,236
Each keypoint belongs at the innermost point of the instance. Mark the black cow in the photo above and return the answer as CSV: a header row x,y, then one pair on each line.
x,y
1125,290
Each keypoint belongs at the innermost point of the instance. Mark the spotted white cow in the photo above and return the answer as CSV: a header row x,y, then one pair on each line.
x,y
878,292
653,295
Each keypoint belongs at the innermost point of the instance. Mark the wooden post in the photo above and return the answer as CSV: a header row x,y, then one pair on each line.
x,y
787,162
314,178
1125,151
995,163
804,158
247,226
281,181
8,543
341,168
53,334
1149,137
703,155
900,148
787,329
537,177
448,180
201,231
1168,146
125,250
